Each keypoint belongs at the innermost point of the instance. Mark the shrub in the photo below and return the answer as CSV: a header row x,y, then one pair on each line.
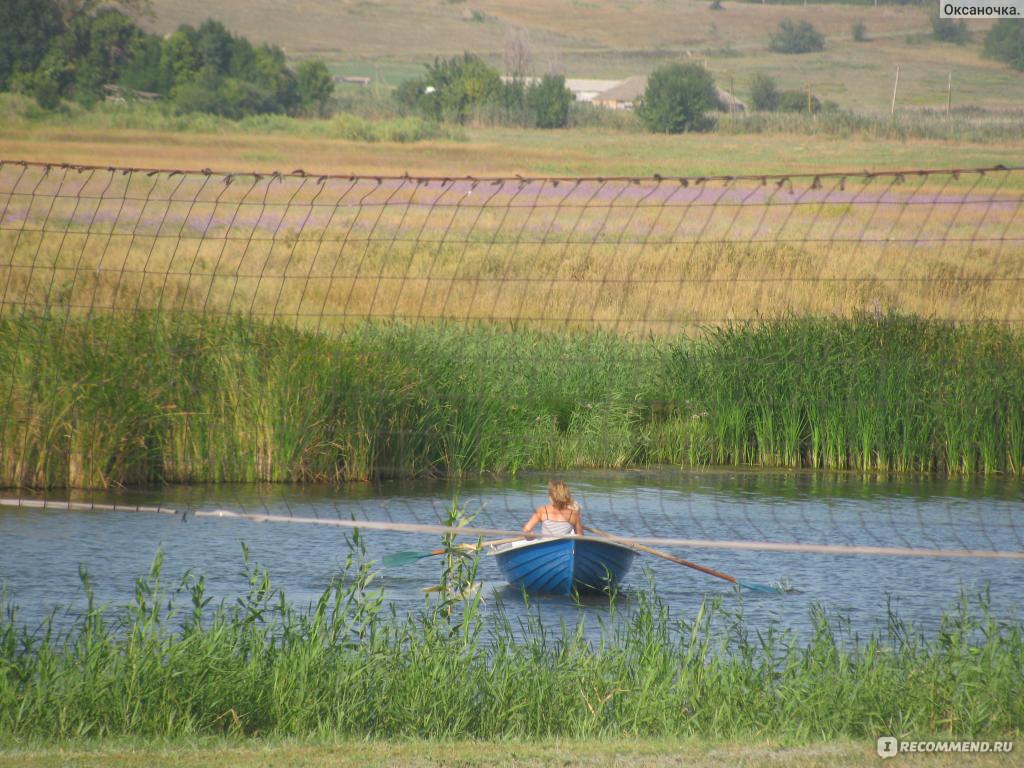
x,y
1005,42
460,85
764,94
948,30
797,37
860,32
26,28
549,100
716,5
583,114
676,99
796,101
314,86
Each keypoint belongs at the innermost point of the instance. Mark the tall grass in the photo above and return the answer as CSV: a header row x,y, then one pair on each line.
x,y
171,665
122,400
891,393
374,119
18,112
970,124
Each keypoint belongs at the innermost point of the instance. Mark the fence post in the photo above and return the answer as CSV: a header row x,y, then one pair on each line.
x,y
895,86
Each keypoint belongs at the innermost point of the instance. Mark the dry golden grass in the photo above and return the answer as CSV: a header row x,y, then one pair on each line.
x,y
498,152
627,257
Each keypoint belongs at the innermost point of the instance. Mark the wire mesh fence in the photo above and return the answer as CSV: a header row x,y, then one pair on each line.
x,y
626,254
179,326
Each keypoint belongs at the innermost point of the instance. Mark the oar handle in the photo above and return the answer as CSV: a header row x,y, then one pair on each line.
x,y
665,555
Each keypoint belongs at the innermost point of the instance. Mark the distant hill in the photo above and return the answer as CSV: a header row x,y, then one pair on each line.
x,y
618,38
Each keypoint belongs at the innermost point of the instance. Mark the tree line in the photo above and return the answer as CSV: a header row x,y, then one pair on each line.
x,y
466,87
73,49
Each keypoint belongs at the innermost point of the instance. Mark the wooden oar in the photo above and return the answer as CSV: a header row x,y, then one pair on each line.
x,y
408,556
753,586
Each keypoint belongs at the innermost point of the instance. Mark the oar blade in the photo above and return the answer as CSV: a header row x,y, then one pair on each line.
x,y
753,586
405,557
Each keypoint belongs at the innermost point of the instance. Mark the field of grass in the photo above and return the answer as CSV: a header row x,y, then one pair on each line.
x,y
123,400
617,38
638,258
790,145
171,666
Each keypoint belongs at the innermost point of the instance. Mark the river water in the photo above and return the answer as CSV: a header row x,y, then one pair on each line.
x,y
41,551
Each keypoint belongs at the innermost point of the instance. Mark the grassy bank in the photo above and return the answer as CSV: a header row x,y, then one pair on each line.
x,y
491,151
378,119
20,113
623,753
120,400
170,666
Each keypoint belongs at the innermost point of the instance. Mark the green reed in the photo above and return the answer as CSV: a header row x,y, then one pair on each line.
x,y
891,393
121,400
171,665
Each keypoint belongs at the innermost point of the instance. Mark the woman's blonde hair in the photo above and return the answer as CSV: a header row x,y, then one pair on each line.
x,y
560,495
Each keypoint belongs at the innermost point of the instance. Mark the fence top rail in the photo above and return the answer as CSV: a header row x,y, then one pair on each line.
x,y
764,178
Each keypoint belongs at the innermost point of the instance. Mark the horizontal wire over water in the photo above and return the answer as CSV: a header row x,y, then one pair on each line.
x,y
474,531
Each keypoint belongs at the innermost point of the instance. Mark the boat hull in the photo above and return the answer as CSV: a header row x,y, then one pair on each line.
x,y
566,564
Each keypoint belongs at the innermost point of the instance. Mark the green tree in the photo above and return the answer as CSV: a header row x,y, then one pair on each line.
x,y
102,47
74,9
549,100
948,30
677,98
314,86
49,82
461,84
764,93
1005,42
412,95
210,70
180,62
90,53
796,101
27,28
143,72
216,47
796,37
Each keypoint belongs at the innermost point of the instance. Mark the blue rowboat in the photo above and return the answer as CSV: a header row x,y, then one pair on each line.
x,y
564,564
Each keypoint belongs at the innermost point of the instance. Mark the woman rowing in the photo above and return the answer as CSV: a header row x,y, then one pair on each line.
x,y
559,518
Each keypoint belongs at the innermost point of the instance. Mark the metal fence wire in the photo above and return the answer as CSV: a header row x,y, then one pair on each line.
x,y
632,255
625,258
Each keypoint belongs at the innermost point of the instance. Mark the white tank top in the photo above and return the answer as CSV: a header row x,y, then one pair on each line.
x,y
551,528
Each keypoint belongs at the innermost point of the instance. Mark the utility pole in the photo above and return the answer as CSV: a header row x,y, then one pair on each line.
x,y
809,111
896,85
949,93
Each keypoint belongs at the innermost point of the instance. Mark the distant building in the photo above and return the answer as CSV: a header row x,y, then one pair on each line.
x,y
352,80
729,102
120,95
587,90
624,94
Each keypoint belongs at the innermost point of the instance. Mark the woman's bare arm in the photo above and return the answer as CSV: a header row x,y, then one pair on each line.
x,y
532,522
